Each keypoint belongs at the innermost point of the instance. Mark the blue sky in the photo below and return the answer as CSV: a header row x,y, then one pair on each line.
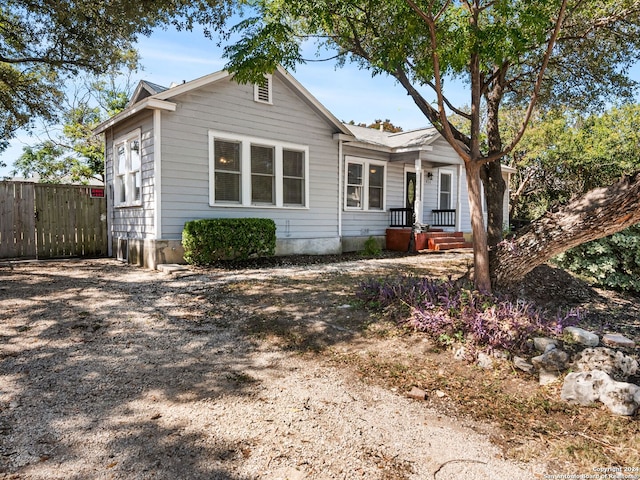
x,y
348,92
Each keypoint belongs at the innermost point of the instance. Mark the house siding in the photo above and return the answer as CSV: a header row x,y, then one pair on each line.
x,y
228,107
357,223
133,221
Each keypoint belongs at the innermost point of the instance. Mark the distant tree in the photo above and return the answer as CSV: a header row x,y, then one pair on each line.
x,y
566,153
45,43
75,154
386,125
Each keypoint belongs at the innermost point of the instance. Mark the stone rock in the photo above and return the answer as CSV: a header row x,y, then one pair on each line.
x,y
542,343
417,393
583,387
555,360
546,377
460,354
615,363
521,364
485,361
582,336
621,398
617,340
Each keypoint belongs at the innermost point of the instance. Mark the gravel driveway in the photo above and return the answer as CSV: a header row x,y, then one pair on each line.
x,y
111,371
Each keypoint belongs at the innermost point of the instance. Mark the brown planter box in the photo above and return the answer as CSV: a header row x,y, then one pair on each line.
x,y
398,239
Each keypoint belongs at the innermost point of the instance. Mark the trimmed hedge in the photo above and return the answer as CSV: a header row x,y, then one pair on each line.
x,y
210,240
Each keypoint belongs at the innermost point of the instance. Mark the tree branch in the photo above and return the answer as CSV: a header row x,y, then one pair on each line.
x,y
536,88
446,129
596,214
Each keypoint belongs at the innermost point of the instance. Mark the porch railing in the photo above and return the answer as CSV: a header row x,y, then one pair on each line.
x,y
401,217
443,218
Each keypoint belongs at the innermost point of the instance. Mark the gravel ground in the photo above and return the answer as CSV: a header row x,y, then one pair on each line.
x,y
110,371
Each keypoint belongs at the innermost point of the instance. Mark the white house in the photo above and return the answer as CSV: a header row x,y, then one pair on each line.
x,y
212,148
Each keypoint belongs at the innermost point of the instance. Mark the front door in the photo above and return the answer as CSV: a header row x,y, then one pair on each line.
x,y
410,196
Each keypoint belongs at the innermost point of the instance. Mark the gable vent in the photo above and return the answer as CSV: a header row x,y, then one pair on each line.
x,y
262,91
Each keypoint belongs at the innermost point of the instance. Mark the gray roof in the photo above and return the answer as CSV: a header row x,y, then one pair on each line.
x,y
410,139
154,87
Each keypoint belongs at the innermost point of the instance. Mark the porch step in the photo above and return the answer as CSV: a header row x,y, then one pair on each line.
x,y
440,246
442,234
447,241
398,239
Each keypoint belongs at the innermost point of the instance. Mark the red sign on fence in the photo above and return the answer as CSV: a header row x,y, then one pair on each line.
x,y
96,193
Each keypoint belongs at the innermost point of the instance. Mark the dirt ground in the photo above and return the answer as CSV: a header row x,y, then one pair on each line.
x,y
111,371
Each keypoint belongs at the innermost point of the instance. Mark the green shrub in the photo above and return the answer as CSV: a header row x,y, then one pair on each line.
x,y
612,262
371,248
207,241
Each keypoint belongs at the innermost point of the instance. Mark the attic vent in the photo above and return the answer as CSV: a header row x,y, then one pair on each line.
x,y
262,91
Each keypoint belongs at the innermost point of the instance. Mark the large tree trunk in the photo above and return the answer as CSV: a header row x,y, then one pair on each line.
x,y
598,213
482,279
494,188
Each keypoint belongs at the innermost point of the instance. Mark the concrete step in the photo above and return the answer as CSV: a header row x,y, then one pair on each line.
x,y
432,234
451,245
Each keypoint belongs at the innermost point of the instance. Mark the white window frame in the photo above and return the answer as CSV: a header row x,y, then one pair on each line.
x,y
129,174
366,164
258,91
442,172
245,170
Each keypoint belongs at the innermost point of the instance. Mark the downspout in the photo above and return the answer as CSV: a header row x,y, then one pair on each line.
x,y
157,172
340,192
108,191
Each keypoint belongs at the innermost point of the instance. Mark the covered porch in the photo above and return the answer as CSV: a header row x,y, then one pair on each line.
x,y
432,208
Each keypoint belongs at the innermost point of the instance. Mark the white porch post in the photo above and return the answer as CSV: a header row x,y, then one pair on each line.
x,y
419,182
458,200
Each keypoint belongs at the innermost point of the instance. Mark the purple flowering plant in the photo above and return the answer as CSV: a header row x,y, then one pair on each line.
x,y
447,309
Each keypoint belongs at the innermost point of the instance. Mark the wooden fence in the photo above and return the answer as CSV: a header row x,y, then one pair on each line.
x,y
51,221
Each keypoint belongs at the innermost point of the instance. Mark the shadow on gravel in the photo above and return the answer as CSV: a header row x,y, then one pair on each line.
x,y
99,365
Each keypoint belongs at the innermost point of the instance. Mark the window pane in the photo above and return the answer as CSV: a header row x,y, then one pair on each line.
x,y
137,186
376,176
134,151
120,193
262,189
293,163
227,187
375,198
262,159
293,191
227,155
122,159
445,191
354,174
354,196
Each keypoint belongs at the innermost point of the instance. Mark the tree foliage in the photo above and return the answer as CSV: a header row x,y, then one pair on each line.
x,y
565,154
76,154
612,262
524,53
384,125
44,43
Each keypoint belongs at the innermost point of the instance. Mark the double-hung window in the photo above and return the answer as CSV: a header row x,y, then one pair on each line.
x,y
445,190
255,172
128,170
263,183
227,171
365,184
293,177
